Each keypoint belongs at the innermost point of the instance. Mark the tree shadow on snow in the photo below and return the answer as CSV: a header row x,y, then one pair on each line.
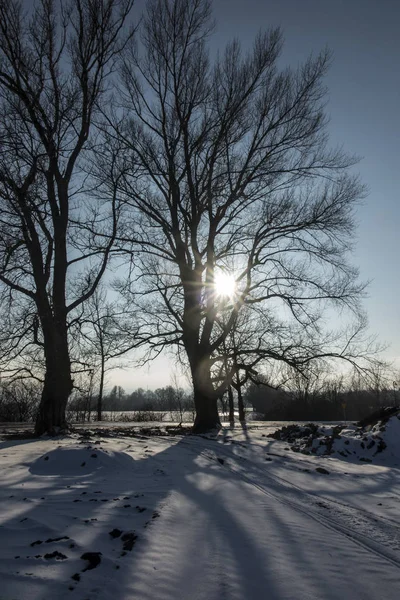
x,y
139,520
113,507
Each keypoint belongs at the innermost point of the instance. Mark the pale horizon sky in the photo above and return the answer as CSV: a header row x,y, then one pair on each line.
x,y
364,100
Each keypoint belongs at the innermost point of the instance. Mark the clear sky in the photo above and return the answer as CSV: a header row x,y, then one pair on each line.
x,y
364,108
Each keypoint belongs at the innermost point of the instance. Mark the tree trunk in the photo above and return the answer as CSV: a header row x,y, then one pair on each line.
x,y
207,417
100,396
231,406
205,399
242,414
51,417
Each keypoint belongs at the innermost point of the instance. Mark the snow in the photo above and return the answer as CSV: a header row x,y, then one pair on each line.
x,y
235,516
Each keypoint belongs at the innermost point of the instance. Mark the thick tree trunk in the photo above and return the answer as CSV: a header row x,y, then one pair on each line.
x,y
51,417
231,406
207,417
205,400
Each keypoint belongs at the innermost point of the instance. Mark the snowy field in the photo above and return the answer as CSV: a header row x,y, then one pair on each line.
x,y
236,516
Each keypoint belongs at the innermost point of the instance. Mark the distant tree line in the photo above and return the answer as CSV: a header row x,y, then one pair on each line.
x,y
320,398
171,403
326,399
19,402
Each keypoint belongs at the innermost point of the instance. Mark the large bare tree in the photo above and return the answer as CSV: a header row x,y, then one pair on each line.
x,y
56,233
225,164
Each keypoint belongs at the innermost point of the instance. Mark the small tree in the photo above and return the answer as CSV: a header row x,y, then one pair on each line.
x,y
102,335
115,400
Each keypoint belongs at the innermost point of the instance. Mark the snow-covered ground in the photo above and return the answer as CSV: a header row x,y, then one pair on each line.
x,y
237,516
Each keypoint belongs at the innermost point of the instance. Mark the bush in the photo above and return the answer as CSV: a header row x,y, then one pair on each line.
x,y
19,401
142,416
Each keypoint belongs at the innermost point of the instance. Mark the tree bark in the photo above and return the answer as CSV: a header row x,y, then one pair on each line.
x,y
51,417
207,417
242,414
231,406
100,396
205,399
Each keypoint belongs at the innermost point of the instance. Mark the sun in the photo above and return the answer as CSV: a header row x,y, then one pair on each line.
x,y
225,285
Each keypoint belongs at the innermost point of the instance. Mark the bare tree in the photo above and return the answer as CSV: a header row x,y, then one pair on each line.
x,y
242,355
225,165
56,234
102,336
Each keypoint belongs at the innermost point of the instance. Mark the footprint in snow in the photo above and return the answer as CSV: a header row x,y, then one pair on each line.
x,y
93,559
115,533
129,538
50,540
57,555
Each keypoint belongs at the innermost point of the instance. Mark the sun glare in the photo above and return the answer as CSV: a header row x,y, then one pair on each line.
x,y
225,285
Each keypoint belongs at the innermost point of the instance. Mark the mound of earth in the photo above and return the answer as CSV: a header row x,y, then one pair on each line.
x,y
377,440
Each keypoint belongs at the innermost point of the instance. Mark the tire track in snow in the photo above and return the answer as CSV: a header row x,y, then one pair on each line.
x,y
372,545
196,447
340,506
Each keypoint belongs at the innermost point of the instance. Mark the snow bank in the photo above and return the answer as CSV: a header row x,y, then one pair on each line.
x,y
76,462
